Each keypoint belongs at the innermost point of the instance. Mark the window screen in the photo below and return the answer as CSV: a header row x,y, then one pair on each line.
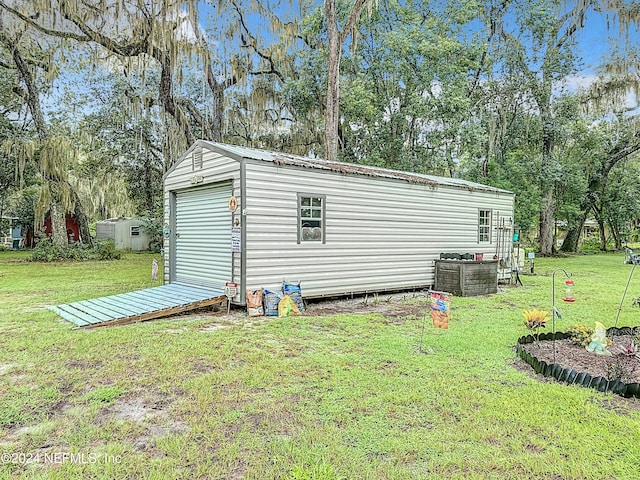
x,y
484,226
311,218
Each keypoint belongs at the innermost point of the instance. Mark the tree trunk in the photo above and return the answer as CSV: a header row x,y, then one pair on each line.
x,y
148,187
167,99
546,224
58,224
570,243
333,82
547,209
217,118
83,224
336,38
603,234
615,232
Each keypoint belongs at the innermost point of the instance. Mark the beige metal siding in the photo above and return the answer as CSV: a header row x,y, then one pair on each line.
x,y
105,230
182,177
203,236
381,234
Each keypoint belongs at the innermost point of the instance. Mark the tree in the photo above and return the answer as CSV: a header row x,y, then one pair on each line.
x,y
608,100
621,202
26,56
621,141
408,99
121,162
336,38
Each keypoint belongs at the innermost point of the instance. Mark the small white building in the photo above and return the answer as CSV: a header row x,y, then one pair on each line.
x,y
127,233
254,218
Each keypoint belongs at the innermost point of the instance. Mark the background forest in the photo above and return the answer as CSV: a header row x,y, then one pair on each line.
x,y
540,97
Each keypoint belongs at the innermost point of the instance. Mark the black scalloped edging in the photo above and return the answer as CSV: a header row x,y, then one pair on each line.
x,y
569,375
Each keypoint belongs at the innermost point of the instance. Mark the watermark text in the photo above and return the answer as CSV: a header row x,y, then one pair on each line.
x,y
58,458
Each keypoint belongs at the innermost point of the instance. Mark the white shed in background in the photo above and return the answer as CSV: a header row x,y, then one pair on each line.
x,y
127,233
254,218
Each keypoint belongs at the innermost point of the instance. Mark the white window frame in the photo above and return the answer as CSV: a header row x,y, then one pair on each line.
x,y
136,229
311,212
484,225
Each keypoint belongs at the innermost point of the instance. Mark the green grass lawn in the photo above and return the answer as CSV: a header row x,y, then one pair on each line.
x,y
345,396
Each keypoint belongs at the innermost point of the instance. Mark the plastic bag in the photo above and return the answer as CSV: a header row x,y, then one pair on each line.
x,y
254,303
291,287
294,290
287,307
298,300
270,302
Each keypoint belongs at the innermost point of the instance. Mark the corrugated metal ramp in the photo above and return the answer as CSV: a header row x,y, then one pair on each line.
x,y
139,306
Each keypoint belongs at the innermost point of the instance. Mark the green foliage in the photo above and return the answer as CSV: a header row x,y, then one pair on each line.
x,y
580,334
46,251
106,250
591,244
153,225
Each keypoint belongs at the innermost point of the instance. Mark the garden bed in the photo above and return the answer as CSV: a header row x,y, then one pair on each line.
x,y
617,373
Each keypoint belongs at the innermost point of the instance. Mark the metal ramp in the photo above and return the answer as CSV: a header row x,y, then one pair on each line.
x,y
139,306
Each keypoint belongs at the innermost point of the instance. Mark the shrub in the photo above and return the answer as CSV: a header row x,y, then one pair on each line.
x,y
618,369
591,244
106,250
47,251
581,334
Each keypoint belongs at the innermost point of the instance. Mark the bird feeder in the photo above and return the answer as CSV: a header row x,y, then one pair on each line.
x,y
568,291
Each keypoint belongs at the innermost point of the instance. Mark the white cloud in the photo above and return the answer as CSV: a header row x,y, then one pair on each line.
x,y
576,83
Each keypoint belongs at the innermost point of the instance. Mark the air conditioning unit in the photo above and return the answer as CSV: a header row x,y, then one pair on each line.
x,y
311,233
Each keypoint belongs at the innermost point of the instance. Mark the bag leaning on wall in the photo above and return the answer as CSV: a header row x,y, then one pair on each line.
x,y
294,290
254,303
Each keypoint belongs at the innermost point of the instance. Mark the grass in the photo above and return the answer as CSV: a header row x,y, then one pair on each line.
x,y
345,396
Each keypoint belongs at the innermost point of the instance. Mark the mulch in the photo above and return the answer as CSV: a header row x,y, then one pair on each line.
x,y
625,368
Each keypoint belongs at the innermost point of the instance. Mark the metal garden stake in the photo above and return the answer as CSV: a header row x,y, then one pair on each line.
x,y
568,297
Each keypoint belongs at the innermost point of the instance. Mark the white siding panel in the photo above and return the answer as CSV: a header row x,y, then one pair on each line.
x,y
215,168
381,234
203,231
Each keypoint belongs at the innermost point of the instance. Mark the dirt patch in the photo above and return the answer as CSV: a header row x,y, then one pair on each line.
x,y
153,415
7,367
615,367
135,409
396,308
389,305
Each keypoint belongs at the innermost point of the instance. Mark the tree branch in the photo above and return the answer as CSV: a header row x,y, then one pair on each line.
x,y
54,33
31,95
253,45
354,15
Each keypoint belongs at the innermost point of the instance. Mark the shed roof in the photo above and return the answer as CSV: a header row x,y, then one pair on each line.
x,y
344,167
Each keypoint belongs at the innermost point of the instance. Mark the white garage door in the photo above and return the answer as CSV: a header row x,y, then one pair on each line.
x,y
203,236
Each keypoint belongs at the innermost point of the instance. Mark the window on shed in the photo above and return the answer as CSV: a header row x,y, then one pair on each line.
x,y
311,218
484,226
196,158
134,231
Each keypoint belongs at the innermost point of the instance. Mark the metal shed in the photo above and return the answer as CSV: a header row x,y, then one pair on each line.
x,y
254,218
127,233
